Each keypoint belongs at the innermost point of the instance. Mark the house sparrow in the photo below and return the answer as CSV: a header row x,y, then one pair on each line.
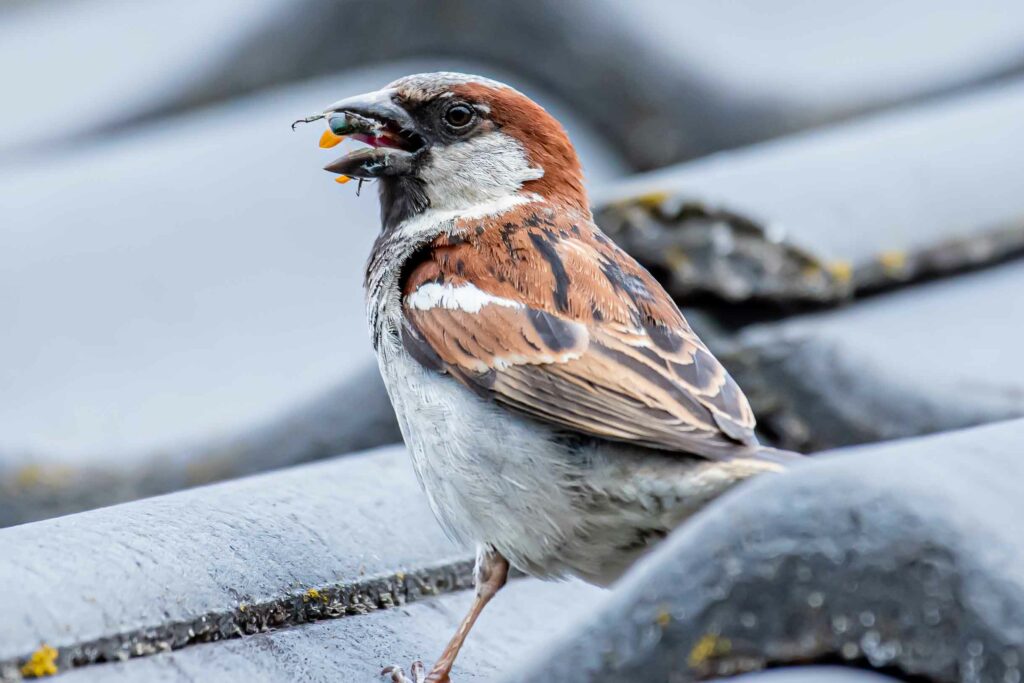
x,y
560,412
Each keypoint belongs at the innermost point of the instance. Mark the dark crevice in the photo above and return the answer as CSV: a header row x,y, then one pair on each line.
x,y
859,663
724,263
318,603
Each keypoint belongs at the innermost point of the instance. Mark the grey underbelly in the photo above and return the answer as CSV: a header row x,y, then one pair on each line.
x,y
551,504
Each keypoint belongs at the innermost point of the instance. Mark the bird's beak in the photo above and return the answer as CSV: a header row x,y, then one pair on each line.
x,y
375,119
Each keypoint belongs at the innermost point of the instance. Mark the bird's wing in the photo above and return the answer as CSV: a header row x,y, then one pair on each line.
x,y
549,318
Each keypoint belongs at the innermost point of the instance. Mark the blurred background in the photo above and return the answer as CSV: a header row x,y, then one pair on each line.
x,y
180,285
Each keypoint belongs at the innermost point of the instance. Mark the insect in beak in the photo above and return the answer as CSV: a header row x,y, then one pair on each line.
x,y
377,121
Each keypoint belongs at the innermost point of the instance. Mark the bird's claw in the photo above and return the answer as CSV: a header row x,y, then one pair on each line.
x,y
397,675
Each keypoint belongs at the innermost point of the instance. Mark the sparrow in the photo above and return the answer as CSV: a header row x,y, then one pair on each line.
x,y
560,413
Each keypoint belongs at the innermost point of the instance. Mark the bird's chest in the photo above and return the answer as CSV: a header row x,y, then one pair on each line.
x,y
489,475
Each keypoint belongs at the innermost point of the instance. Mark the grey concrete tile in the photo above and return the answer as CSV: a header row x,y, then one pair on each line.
x,y
340,537
905,556
78,65
933,357
819,216
524,616
665,80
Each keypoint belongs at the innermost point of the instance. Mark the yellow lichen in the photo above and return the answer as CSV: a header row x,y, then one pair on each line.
x,y
677,258
243,607
39,476
314,594
893,262
842,271
810,270
709,646
663,618
651,199
43,662
400,576
214,465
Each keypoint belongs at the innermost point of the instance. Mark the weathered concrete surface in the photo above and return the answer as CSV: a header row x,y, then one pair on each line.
x,y
353,416
97,61
168,293
323,541
933,357
700,77
218,561
905,556
819,216
526,615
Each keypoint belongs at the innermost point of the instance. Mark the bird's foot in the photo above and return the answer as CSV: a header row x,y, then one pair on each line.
x,y
396,674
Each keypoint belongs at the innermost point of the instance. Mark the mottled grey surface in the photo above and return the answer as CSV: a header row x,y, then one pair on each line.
x,y
813,674
526,615
906,555
75,65
816,216
353,416
927,358
188,280
165,571
180,293
664,80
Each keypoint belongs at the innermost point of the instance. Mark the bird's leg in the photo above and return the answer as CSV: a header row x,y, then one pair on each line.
x,y
490,575
308,119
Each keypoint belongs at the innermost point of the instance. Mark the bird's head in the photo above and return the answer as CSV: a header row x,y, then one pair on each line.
x,y
450,142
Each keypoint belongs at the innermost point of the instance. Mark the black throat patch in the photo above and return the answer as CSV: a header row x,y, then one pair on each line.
x,y
401,197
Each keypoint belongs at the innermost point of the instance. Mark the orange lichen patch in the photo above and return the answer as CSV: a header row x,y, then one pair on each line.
x,y
342,179
329,139
893,262
43,662
709,646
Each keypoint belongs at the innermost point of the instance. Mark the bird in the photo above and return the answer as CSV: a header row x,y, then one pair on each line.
x,y
561,414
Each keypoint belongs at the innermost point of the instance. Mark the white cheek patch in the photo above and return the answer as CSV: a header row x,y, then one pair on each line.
x,y
478,170
432,222
466,298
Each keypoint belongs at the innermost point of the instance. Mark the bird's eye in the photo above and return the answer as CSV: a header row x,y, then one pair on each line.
x,y
458,116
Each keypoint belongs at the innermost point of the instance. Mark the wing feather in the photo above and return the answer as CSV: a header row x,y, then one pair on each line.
x,y
609,356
